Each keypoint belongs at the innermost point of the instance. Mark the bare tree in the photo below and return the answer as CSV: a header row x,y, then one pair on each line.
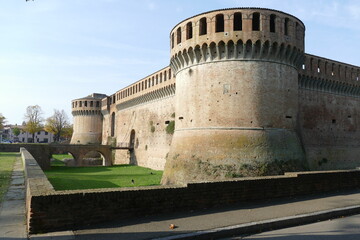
x,y
57,124
33,119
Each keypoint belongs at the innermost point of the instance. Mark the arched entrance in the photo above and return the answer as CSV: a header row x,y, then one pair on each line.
x,y
132,138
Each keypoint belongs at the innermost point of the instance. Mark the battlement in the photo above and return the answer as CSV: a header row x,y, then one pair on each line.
x,y
154,86
237,33
325,75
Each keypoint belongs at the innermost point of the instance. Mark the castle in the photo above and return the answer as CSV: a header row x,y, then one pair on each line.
x,y
240,98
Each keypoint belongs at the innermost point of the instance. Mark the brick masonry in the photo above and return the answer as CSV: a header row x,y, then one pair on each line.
x,y
49,210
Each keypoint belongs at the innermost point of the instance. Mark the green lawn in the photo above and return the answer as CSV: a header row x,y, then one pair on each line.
x,y
6,167
71,178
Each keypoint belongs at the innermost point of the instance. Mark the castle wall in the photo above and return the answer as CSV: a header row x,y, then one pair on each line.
x,y
329,97
144,126
142,113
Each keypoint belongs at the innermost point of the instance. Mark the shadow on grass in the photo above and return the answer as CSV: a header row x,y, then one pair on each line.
x,y
76,184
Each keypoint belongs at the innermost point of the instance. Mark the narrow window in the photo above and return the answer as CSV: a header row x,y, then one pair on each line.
x,y
237,22
172,40
272,23
189,30
112,124
160,77
178,35
203,26
297,30
145,84
85,103
256,22
157,79
169,73
97,104
219,26
91,103
286,27
164,76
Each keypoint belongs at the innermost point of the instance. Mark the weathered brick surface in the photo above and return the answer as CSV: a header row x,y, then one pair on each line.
x,y
49,210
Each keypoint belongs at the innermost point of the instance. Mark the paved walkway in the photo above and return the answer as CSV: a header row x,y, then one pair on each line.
x,y
222,222
12,211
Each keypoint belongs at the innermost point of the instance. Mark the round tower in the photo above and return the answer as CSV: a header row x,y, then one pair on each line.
x,y
236,95
87,119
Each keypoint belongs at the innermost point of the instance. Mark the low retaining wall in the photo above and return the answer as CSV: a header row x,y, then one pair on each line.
x,y
42,151
50,210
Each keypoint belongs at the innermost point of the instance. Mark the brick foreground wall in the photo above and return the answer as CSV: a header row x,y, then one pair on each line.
x,y
49,210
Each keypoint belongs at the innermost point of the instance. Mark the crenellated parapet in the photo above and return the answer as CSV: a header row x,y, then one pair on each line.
x,y
86,112
325,75
155,86
237,34
159,93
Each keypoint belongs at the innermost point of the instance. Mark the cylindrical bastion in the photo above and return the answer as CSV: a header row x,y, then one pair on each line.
x,y
236,95
87,119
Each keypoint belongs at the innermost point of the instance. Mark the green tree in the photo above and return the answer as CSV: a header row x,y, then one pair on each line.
x,y
33,120
16,131
2,121
57,123
68,132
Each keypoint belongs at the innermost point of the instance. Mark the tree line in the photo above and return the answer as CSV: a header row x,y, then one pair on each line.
x,y
58,124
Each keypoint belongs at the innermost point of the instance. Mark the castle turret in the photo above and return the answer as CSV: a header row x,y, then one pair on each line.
x,y
87,119
236,95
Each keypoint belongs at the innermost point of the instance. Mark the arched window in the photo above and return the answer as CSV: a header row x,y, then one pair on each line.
x,y
203,26
112,124
256,21
172,40
178,35
237,22
286,26
219,24
189,30
272,23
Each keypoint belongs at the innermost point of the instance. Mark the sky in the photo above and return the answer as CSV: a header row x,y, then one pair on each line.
x,y
54,51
